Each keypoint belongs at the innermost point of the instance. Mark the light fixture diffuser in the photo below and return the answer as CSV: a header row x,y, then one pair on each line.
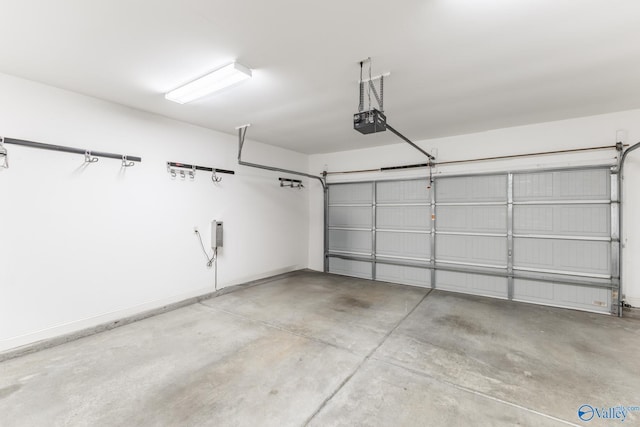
x,y
212,82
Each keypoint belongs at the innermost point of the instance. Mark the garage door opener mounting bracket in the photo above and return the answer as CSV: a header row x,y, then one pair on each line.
x,y
372,119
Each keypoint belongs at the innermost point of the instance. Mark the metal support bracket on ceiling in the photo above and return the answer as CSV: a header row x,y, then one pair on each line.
x,y
370,119
371,87
242,131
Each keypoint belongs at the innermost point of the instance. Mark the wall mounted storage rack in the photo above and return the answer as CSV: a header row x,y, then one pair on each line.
x,y
184,169
292,183
90,156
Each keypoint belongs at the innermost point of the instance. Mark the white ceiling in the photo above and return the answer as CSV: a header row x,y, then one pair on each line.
x,y
458,66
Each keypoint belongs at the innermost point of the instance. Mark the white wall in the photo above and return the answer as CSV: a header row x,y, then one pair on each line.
x,y
81,245
567,134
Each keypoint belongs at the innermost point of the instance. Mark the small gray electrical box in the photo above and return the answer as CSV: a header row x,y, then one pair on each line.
x,y
216,234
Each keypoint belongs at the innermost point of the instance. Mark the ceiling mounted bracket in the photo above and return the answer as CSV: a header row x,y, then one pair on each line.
x,y
371,87
372,119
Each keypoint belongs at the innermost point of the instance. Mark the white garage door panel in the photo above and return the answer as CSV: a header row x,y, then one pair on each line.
x,y
405,275
558,294
564,220
489,188
567,256
404,217
590,184
476,284
351,216
476,219
403,245
350,268
350,193
478,250
403,192
350,241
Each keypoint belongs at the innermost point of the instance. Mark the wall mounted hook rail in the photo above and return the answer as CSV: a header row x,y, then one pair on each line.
x,y
62,148
172,167
292,183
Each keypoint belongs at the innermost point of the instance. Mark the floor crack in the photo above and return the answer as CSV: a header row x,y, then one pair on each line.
x,y
473,391
365,359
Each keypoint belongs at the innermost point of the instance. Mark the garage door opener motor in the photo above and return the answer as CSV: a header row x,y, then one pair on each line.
x,y
372,119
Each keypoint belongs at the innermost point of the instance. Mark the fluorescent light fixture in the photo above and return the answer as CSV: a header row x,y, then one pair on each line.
x,y
212,82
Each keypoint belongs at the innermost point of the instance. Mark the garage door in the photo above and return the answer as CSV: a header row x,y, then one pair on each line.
x,y
546,237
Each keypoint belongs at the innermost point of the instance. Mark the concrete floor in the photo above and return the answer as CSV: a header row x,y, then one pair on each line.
x,y
328,350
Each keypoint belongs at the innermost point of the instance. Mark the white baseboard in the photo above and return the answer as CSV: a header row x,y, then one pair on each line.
x,y
634,302
271,273
90,322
